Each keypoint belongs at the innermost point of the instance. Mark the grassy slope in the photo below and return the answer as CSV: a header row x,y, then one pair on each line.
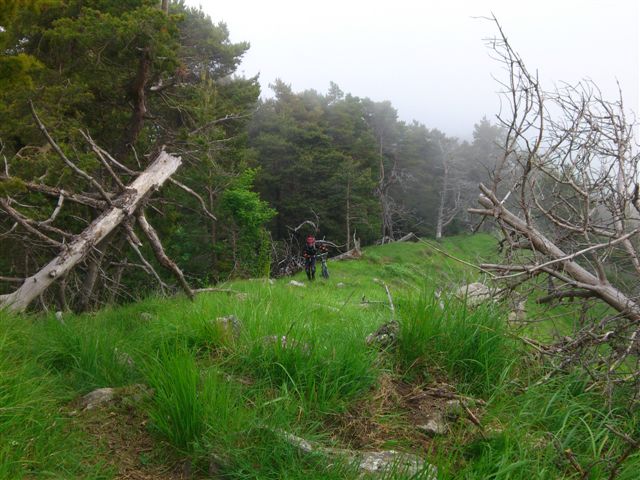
x,y
228,396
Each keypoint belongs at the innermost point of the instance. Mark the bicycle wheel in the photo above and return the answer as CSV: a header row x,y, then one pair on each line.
x,y
325,270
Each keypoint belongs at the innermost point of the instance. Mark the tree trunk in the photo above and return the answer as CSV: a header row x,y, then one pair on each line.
x,y
213,235
152,178
137,95
352,254
348,209
572,272
90,281
117,278
62,294
443,199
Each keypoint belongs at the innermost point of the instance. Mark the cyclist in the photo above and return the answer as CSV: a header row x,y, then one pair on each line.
x,y
309,253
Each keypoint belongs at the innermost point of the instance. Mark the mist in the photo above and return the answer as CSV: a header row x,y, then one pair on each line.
x,y
430,59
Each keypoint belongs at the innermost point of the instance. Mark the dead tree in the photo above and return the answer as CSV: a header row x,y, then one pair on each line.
x,y
72,253
565,196
385,181
116,215
446,212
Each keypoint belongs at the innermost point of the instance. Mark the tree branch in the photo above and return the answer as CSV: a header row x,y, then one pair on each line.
x,y
64,158
162,257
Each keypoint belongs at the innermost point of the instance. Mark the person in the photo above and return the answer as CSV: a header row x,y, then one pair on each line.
x,y
309,253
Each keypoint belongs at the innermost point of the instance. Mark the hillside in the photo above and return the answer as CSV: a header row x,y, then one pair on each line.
x,y
197,396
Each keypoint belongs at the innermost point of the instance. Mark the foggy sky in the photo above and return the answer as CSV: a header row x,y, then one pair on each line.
x,y
428,57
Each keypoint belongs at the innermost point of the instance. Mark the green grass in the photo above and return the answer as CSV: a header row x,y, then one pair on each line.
x,y
531,431
36,437
222,400
469,345
191,406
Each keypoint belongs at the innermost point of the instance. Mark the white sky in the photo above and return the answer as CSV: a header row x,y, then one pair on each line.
x,y
428,57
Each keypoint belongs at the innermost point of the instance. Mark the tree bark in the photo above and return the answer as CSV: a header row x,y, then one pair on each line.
x,y
213,233
61,295
409,237
124,205
137,94
352,254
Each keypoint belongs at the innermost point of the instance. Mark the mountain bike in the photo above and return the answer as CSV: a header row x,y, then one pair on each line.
x,y
323,258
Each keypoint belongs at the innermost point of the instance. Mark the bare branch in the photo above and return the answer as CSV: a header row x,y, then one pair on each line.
x,y
75,251
162,257
64,158
203,205
27,224
102,159
56,211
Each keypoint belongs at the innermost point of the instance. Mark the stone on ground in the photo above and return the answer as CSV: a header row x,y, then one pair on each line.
x,y
474,293
385,336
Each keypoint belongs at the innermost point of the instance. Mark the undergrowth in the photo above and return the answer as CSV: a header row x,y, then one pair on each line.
x,y
299,364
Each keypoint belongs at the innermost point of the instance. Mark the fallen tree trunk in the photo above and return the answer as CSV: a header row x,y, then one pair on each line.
x,y
122,206
562,265
409,237
352,254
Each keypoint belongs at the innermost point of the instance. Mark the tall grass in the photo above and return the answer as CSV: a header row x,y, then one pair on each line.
x,y
203,416
533,434
189,405
470,345
36,437
89,355
321,374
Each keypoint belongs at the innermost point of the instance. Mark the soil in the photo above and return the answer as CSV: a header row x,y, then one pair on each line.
x,y
389,416
119,430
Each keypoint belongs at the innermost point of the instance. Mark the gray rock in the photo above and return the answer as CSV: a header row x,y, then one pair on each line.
x,y
384,461
385,336
519,313
436,425
295,283
98,397
454,409
229,327
133,394
369,463
474,293
123,358
103,396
